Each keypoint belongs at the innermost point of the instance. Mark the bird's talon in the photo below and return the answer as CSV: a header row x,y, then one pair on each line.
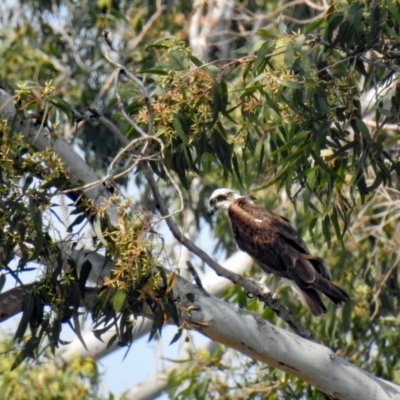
x,y
271,297
264,288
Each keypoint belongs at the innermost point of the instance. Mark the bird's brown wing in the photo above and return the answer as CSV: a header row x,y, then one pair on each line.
x,y
285,231
258,232
276,223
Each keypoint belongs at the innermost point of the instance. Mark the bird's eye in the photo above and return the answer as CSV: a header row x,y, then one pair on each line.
x,y
213,202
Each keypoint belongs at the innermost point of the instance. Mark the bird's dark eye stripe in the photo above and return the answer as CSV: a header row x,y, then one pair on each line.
x,y
221,197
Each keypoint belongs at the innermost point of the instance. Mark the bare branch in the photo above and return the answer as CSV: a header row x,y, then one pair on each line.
x,y
255,337
12,300
249,286
122,108
133,43
129,74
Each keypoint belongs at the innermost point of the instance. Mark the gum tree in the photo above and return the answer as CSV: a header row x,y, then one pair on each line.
x,y
300,109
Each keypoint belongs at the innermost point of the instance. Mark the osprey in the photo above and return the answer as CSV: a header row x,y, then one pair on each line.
x,y
277,247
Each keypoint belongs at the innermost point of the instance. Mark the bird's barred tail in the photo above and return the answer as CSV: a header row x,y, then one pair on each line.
x,y
313,301
329,289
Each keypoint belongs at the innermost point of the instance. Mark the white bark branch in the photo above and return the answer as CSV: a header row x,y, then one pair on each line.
x,y
255,337
222,322
249,285
154,386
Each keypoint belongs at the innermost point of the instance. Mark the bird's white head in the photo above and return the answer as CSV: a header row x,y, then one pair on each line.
x,y
221,199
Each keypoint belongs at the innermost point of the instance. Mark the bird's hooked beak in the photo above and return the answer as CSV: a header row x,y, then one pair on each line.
x,y
210,210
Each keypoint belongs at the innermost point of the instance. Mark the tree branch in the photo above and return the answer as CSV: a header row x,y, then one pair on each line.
x,y
239,262
255,337
41,139
250,286
12,300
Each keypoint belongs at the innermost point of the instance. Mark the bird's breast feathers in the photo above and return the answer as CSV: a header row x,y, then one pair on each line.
x,y
250,217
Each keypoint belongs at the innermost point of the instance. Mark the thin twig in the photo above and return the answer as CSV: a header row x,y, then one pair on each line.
x,y
381,284
129,74
133,43
384,128
122,108
134,142
105,87
194,274
147,98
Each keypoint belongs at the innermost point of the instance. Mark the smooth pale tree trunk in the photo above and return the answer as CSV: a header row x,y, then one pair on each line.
x,y
258,339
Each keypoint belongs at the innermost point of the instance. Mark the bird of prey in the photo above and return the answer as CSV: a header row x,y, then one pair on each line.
x,y
277,247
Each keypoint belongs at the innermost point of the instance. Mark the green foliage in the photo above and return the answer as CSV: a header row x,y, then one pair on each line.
x,y
222,374
294,122
30,181
24,200
78,380
137,284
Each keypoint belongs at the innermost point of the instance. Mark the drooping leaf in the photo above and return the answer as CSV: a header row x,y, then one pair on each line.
x,y
2,281
179,129
77,329
326,230
158,322
18,360
335,222
177,336
27,313
118,300
261,60
86,268
36,216
98,231
80,218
